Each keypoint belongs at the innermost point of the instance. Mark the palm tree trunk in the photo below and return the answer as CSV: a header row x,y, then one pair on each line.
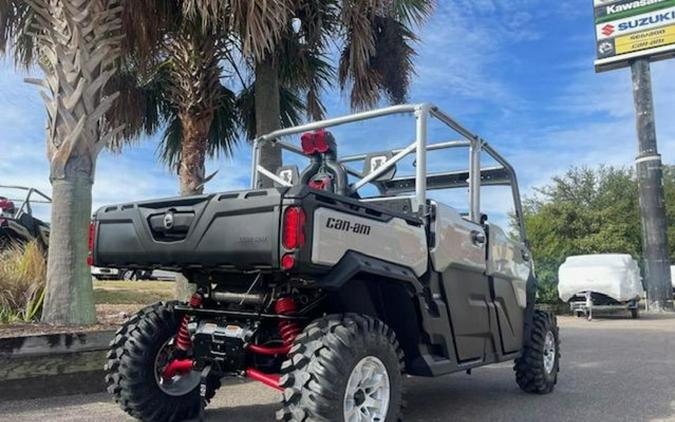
x,y
70,294
192,169
267,114
79,46
195,130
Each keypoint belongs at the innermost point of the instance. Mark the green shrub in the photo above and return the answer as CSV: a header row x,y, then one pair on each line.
x,y
23,271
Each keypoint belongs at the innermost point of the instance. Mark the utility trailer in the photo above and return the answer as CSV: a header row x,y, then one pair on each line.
x,y
322,293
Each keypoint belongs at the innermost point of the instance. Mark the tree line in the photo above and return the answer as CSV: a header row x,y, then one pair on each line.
x,y
588,211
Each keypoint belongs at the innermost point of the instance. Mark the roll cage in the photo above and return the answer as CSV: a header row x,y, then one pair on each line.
x,y
27,201
476,176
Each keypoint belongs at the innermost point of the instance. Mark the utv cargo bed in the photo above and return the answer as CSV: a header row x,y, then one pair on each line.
x,y
230,230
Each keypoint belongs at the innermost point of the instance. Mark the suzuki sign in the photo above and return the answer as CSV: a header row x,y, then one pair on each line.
x,y
626,30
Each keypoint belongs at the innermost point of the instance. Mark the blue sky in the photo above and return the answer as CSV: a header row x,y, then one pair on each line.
x,y
518,72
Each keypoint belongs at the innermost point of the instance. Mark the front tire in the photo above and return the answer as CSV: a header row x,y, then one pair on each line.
x,y
133,369
538,366
343,368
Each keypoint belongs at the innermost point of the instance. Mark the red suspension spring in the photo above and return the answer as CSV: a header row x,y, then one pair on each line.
x,y
183,339
289,329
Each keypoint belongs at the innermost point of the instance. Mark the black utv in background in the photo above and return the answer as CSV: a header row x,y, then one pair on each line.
x,y
17,222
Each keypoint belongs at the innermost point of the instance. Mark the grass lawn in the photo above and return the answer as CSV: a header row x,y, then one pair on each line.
x,y
132,292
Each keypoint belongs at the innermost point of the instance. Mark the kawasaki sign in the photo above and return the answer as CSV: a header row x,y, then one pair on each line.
x,y
630,29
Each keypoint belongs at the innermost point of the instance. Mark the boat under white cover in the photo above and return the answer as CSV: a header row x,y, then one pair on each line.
x,y
613,275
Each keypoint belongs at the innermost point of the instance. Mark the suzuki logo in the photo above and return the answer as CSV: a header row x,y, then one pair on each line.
x,y
608,30
168,220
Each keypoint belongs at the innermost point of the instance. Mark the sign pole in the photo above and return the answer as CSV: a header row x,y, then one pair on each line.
x,y
652,203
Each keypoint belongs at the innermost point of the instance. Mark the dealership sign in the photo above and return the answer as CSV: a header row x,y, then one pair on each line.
x,y
629,29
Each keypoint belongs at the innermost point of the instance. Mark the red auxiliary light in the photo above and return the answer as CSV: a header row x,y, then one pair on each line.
x,y
92,239
294,224
315,142
320,142
287,262
307,142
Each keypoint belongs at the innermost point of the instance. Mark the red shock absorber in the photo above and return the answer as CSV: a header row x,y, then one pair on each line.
x,y
289,329
183,339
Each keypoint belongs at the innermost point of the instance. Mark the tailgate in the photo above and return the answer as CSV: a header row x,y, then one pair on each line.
x,y
226,230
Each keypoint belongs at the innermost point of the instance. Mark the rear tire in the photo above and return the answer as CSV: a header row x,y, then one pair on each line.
x,y
340,367
131,369
538,366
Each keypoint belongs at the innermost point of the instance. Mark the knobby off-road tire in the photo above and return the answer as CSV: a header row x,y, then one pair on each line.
x,y
130,368
535,372
321,363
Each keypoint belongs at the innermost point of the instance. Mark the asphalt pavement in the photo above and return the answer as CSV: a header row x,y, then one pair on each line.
x,y
612,369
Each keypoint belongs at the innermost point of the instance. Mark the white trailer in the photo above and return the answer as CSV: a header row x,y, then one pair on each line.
x,y
600,282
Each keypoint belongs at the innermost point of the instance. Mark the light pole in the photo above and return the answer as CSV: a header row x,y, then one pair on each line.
x,y
652,203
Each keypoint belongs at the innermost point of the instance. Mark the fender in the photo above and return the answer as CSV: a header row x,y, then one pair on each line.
x,y
531,289
353,263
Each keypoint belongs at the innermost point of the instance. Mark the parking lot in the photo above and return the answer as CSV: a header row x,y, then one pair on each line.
x,y
613,369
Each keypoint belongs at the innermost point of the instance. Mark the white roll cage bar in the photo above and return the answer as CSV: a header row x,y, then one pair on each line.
x,y
499,175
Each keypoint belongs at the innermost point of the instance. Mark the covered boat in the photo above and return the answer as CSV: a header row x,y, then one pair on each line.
x,y
616,276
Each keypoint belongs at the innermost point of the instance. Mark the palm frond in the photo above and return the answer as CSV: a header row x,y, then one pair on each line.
x,y
223,132
142,107
377,55
305,69
291,107
259,24
393,60
320,20
354,69
18,31
145,24
168,150
412,12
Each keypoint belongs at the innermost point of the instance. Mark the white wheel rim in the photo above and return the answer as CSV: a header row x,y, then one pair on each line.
x,y
549,352
368,392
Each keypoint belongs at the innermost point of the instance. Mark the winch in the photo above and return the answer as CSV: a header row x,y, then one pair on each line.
x,y
223,344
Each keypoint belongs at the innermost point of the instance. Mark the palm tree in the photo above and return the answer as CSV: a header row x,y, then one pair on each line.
x,y
185,88
77,45
375,37
189,86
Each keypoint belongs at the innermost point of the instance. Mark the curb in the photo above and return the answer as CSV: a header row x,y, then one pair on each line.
x,y
53,364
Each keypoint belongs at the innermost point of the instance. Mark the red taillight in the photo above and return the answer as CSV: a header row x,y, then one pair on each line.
x,y
92,235
287,262
293,232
